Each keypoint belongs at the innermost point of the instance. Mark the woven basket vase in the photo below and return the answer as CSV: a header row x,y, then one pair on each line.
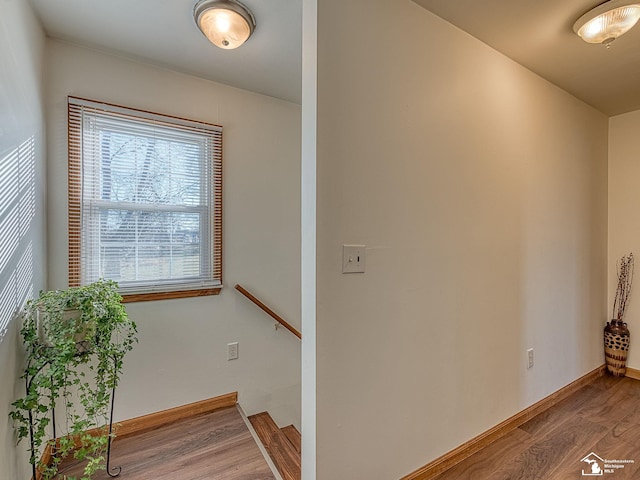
x,y
616,347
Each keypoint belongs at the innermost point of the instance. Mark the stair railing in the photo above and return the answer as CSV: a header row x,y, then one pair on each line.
x,y
268,311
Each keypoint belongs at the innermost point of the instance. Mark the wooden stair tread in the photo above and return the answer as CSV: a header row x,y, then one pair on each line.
x,y
282,451
294,437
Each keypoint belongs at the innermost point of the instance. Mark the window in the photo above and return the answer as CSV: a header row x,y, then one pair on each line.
x,y
145,201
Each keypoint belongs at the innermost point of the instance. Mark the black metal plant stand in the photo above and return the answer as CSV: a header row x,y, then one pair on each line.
x,y
29,378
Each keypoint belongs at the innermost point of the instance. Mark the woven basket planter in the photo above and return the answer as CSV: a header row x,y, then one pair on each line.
x,y
616,347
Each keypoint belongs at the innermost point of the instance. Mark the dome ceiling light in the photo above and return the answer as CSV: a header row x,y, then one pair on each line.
x,y
226,23
608,21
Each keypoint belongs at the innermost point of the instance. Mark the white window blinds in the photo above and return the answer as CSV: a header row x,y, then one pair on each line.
x,y
145,194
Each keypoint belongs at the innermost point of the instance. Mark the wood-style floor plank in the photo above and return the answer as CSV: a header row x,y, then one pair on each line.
x,y
280,449
217,445
603,417
294,437
495,456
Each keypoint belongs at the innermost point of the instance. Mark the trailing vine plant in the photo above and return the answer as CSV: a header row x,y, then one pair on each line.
x,y
75,341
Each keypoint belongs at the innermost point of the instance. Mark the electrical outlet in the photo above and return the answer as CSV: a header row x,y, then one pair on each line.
x,y
529,358
232,351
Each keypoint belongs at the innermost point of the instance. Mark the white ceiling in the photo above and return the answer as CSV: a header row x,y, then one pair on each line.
x,y
163,32
539,35
536,33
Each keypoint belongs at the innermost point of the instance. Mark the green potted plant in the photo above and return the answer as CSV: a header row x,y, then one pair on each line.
x,y
75,342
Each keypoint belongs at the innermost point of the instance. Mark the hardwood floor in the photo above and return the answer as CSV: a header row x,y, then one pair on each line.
x,y
603,418
213,446
282,444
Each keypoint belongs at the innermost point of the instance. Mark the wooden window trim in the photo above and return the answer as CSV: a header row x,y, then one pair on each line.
x,y
74,178
145,297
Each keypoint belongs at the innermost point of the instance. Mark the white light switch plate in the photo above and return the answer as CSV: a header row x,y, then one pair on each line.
x,y
353,258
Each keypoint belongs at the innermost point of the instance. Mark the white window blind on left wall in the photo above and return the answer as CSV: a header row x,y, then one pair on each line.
x,y
144,199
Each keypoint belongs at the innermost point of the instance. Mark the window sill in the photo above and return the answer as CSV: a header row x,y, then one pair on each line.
x,y
144,297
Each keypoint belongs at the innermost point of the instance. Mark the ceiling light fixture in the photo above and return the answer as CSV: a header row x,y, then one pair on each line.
x,y
608,21
226,23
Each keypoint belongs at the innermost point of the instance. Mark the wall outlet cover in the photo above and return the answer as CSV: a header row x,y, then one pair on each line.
x,y
232,351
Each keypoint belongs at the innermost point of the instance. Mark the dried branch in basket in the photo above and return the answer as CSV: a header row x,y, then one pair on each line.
x,y
625,279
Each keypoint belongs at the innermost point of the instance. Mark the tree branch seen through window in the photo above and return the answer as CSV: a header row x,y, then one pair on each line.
x,y
145,194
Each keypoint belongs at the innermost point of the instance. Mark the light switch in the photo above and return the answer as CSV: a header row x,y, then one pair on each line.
x,y
353,258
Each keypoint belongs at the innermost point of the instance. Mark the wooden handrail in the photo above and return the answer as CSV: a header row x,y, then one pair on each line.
x,y
268,311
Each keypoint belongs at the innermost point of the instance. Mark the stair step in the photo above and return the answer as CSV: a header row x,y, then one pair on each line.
x,y
294,437
282,451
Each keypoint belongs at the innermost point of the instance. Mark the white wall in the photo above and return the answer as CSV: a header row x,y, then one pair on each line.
x,y
480,191
181,356
308,224
624,229
22,263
